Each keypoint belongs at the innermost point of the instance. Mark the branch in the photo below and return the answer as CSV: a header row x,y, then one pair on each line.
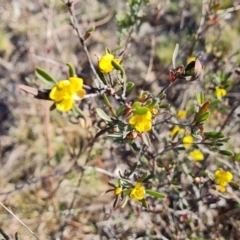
x,y
29,230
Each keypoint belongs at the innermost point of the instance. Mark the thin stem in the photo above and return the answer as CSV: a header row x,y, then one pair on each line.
x,y
108,104
29,230
74,22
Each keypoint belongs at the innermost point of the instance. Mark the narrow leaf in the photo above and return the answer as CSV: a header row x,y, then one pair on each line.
x,y
88,33
103,115
204,108
115,202
129,86
175,52
150,176
110,190
133,168
214,102
225,152
202,118
108,50
154,194
141,110
71,69
141,179
214,135
165,105
119,68
125,202
45,77
77,112
146,139
120,110
235,185
53,107
101,132
201,96
237,157
136,105
144,203
112,184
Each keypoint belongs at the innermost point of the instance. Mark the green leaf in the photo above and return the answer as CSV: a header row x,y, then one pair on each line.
x,y
103,115
144,203
107,191
223,140
102,77
219,144
154,194
214,102
108,50
201,97
120,110
234,185
115,201
165,105
129,86
161,96
149,103
141,110
225,152
141,179
45,77
133,168
121,125
116,135
112,184
72,72
155,101
146,139
136,105
204,108
180,148
175,52
150,176
214,135
77,112
88,33
237,157
202,118
53,107
125,202
118,67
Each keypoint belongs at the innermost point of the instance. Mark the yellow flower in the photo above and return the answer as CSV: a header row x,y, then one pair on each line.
x,y
105,63
176,129
138,191
187,141
118,191
142,123
182,114
220,92
222,178
65,91
196,155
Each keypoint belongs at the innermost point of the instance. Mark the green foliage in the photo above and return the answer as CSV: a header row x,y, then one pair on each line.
x,y
45,77
131,16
